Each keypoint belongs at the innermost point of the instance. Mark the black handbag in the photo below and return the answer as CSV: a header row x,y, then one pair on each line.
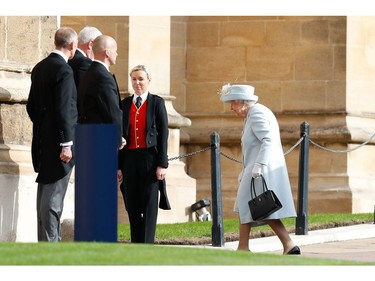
x,y
265,204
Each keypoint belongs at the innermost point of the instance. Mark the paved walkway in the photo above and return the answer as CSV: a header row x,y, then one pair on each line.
x,y
356,242
353,250
353,243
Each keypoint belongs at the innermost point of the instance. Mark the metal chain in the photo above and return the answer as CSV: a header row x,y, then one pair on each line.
x,y
190,154
290,149
343,150
230,157
294,146
286,153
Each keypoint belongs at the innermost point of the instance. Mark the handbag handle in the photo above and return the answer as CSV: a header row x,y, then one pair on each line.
x,y
252,187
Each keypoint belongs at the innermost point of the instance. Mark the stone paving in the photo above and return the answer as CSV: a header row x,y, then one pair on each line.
x,y
353,250
356,243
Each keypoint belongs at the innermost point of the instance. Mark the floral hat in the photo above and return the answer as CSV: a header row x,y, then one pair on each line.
x,y
237,92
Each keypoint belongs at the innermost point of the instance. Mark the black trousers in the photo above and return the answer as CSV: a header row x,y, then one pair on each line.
x,y
140,190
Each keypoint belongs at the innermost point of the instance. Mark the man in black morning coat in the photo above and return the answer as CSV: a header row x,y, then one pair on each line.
x,y
52,109
98,90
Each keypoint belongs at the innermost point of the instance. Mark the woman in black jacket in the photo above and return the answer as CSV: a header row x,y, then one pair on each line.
x,y
144,159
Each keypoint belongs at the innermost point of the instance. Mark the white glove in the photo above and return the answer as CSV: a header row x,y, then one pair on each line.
x,y
257,170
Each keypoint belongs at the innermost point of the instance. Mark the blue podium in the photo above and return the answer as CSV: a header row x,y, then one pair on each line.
x,y
95,203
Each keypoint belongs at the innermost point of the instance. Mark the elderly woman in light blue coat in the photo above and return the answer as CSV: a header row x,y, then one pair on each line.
x,y
262,154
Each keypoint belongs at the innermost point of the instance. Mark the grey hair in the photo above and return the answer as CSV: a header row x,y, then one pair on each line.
x,y
249,102
143,68
64,36
87,34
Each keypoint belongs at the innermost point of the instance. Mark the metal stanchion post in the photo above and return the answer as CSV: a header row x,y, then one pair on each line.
x,y
302,221
217,210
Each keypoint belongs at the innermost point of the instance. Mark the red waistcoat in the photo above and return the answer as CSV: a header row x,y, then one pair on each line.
x,y
137,126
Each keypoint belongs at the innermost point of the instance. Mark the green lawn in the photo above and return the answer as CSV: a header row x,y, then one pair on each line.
x,y
192,232
82,253
127,254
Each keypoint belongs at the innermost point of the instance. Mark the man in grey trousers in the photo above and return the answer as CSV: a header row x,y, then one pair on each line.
x,y
52,108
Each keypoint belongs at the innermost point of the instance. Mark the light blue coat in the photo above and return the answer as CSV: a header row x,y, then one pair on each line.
x,y
261,143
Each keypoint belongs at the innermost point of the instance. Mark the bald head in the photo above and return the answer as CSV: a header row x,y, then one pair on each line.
x,y
105,49
103,43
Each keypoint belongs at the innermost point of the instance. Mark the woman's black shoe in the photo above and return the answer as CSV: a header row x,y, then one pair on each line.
x,y
294,251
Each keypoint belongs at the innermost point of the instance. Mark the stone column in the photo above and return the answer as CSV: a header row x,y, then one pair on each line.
x,y
150,44
360,119
23,42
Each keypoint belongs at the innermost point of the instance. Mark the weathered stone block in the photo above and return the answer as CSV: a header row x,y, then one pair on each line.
x,y
270,63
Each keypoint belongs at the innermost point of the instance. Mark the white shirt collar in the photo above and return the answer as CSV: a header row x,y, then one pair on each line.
x,y
61,54
82,52
143,96
106,66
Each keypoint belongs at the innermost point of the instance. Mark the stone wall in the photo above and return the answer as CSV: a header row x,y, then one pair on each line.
x,y
305,68
313,69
